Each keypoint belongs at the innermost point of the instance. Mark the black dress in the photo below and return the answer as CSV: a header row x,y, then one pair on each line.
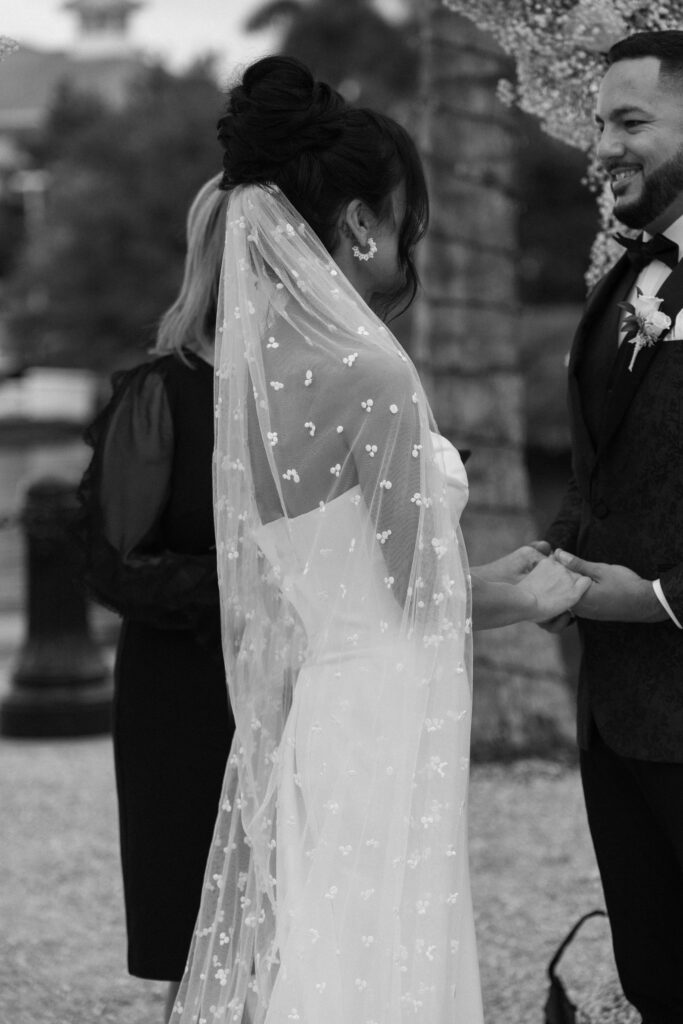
x,y
150,554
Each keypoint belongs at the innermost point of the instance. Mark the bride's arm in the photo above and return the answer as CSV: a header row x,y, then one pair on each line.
x,y
541,594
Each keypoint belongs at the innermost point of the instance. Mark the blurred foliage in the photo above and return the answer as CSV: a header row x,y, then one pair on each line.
x,y
371,60
89,286
11,232
93,281
558,218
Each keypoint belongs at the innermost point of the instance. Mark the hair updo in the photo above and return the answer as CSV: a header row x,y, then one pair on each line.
x,y
283,127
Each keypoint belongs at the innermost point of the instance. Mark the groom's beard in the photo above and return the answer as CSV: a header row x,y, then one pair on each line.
x,y
660,190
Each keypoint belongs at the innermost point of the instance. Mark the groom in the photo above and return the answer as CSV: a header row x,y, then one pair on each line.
x,y
623,516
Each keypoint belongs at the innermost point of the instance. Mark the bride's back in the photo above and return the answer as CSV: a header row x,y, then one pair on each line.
x,y
335,418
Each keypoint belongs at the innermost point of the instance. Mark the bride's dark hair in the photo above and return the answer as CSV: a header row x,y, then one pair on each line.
x,y
283,127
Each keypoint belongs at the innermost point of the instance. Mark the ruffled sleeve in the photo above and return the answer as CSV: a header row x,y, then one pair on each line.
x,y
123,496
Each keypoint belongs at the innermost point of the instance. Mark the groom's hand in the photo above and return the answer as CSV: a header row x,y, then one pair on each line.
x,y
560,622
617,594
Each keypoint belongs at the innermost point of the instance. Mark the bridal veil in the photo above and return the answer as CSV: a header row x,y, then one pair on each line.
x,y
336,890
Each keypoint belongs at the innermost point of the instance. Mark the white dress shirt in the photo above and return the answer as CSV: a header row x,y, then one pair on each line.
x,y
649,281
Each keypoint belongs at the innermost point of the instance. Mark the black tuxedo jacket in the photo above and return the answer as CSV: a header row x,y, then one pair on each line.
x,y
624,505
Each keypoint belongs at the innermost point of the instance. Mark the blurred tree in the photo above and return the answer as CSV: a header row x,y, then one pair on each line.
x,y
466,347
558,217
71,114
93,281
11,231
371,60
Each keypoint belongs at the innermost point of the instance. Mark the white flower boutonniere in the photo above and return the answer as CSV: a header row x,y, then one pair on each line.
x,y
644,324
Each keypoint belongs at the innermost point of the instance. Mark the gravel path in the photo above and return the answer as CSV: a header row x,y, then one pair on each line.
x,y
62,951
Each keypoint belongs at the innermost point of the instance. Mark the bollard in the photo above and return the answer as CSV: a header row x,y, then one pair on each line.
x,y
60,684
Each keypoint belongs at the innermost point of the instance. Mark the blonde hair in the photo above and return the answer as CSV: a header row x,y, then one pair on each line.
x,y
190,322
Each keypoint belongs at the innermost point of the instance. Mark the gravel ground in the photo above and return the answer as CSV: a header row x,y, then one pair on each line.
x,y
62,940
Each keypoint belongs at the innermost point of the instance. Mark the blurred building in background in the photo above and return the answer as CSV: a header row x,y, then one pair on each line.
x,y
101,62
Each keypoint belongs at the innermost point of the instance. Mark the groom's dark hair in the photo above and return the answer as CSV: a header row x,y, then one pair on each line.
x,y
667,47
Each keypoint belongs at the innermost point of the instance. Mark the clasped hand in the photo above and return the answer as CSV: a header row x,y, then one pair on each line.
x,y
554,588
559,587
549,588
615,593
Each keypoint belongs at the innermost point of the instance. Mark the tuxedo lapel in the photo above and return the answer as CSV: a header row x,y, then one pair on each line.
x,y
627,382
602,294
583,441
608,290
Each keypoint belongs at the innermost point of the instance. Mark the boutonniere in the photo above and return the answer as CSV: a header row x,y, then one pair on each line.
x,y
644,324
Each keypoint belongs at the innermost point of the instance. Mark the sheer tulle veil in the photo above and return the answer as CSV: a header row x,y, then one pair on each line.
x,y
336,885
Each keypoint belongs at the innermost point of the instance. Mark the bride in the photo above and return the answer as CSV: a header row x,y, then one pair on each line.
x,y
337,889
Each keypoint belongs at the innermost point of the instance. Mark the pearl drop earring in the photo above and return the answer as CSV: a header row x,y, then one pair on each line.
x,y
369,255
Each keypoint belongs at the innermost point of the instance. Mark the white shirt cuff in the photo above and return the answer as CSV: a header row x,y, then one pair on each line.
x,y
657,587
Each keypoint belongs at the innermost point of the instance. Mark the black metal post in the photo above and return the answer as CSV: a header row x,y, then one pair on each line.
x,y
60,684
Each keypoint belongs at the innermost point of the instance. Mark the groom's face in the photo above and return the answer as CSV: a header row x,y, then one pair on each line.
x,y
640,118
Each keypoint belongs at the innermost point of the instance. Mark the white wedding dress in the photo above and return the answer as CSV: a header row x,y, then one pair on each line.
x,y
326,939
337,886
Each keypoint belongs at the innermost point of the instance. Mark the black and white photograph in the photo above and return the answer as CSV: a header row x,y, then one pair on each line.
x,y
341,511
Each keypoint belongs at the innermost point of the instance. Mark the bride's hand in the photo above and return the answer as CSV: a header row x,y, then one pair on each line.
x,y
513,567
550,592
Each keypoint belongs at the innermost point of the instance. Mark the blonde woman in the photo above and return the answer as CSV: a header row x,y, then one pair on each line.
x,y
151,556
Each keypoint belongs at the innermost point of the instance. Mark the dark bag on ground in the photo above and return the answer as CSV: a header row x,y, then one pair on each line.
x,y
559,1009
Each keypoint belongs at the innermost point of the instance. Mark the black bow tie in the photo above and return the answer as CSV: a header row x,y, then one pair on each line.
x,y
640,253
